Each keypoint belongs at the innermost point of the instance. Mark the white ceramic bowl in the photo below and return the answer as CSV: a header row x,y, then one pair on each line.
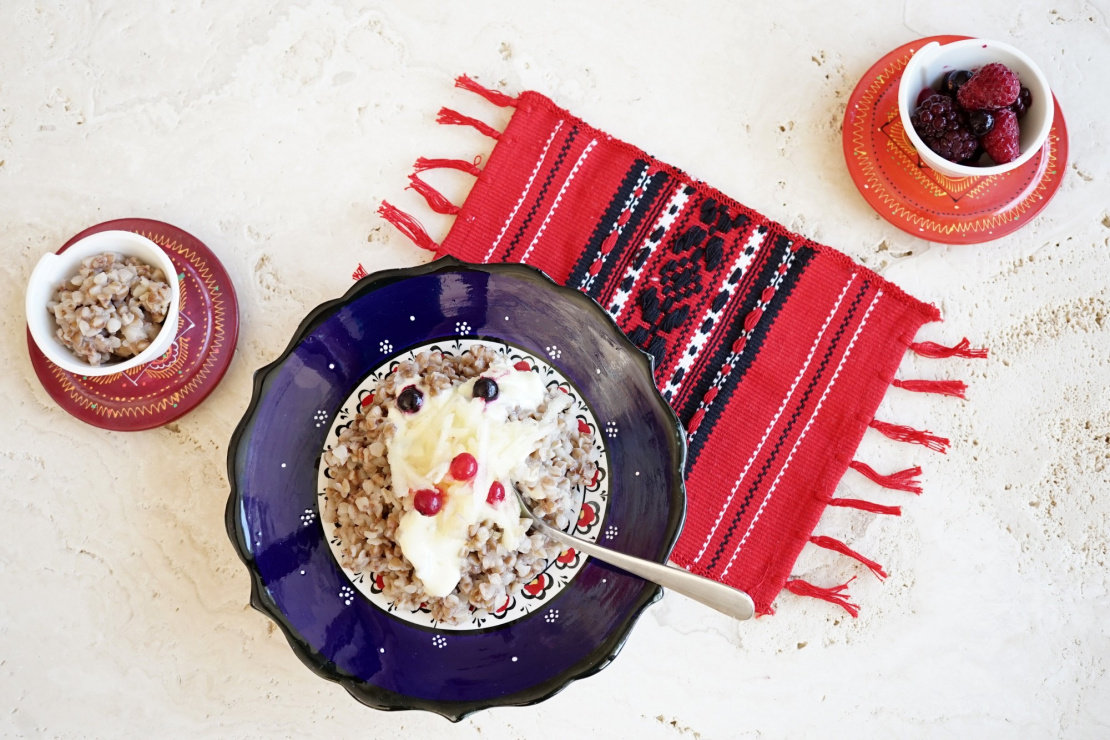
x,y
932,61
53,269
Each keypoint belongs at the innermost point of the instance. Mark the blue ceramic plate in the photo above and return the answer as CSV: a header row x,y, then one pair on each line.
x,y
570,623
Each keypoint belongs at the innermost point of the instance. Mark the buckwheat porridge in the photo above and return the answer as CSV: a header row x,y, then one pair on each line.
x,y
113,308
420,483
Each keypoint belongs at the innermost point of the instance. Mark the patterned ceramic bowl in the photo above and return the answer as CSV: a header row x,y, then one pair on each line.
x,y
54,269
568,623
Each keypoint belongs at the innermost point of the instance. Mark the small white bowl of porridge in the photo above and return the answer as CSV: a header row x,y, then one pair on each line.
x,y
107,304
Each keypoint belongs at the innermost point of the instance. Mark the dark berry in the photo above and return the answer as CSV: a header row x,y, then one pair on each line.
x,y
1024,100
980,122
464,466
428,501
496,493
943,128
925,95
954,80
485,388
973,160
410,400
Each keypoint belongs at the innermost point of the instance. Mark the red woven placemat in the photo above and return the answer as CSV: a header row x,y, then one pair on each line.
x,y
774,351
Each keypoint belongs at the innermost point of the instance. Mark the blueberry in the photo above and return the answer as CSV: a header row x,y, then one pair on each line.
x,y
485,388
410,400
1024,100
954,80
980,122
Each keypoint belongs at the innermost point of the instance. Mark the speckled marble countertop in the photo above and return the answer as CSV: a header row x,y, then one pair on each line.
x,y
272,130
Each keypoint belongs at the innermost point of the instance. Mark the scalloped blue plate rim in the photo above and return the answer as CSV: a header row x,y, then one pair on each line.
x,y
384,699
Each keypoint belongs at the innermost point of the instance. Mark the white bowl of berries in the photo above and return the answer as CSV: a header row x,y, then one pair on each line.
x,y
974,107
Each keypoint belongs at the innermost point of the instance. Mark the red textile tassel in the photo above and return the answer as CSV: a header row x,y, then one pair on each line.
x,y
408,226
903,480
907,434
954,388
856,503
435,199
837,546
835,595
454,118
423,163
494,96
963,349
359,273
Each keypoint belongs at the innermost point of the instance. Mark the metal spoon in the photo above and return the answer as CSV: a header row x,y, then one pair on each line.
x,y
723,598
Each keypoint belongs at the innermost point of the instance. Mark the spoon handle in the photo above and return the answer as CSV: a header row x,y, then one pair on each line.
x,y
724,599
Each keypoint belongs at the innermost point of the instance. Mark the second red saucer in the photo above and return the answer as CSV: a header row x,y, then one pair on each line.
x,y
892,178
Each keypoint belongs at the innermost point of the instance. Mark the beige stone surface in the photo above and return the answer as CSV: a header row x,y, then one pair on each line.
x,y
271,130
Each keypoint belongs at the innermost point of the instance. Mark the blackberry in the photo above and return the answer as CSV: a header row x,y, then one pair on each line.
x,y
944,129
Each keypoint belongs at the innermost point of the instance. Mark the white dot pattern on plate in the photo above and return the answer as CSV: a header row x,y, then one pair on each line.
x,y
439,641
385,345
461,327
558,574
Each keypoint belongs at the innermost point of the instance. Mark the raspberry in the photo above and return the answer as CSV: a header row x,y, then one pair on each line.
x,y
993,86
943,128
1002,143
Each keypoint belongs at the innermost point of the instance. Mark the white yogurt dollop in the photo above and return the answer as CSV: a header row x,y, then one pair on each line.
x,y
420,456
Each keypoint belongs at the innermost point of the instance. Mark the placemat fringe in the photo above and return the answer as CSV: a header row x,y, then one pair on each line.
x,y
496,97
836,595
856,503
454,118
903,480
962,349
900,433
436,200
423,163
830,543
408,226
955,388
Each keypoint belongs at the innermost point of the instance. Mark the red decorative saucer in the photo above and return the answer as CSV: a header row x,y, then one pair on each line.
x,y
905,191
166,389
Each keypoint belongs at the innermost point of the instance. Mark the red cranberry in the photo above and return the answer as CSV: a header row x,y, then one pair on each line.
x,y
464,466
486,388
428,501
496,493
410,400
522,365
